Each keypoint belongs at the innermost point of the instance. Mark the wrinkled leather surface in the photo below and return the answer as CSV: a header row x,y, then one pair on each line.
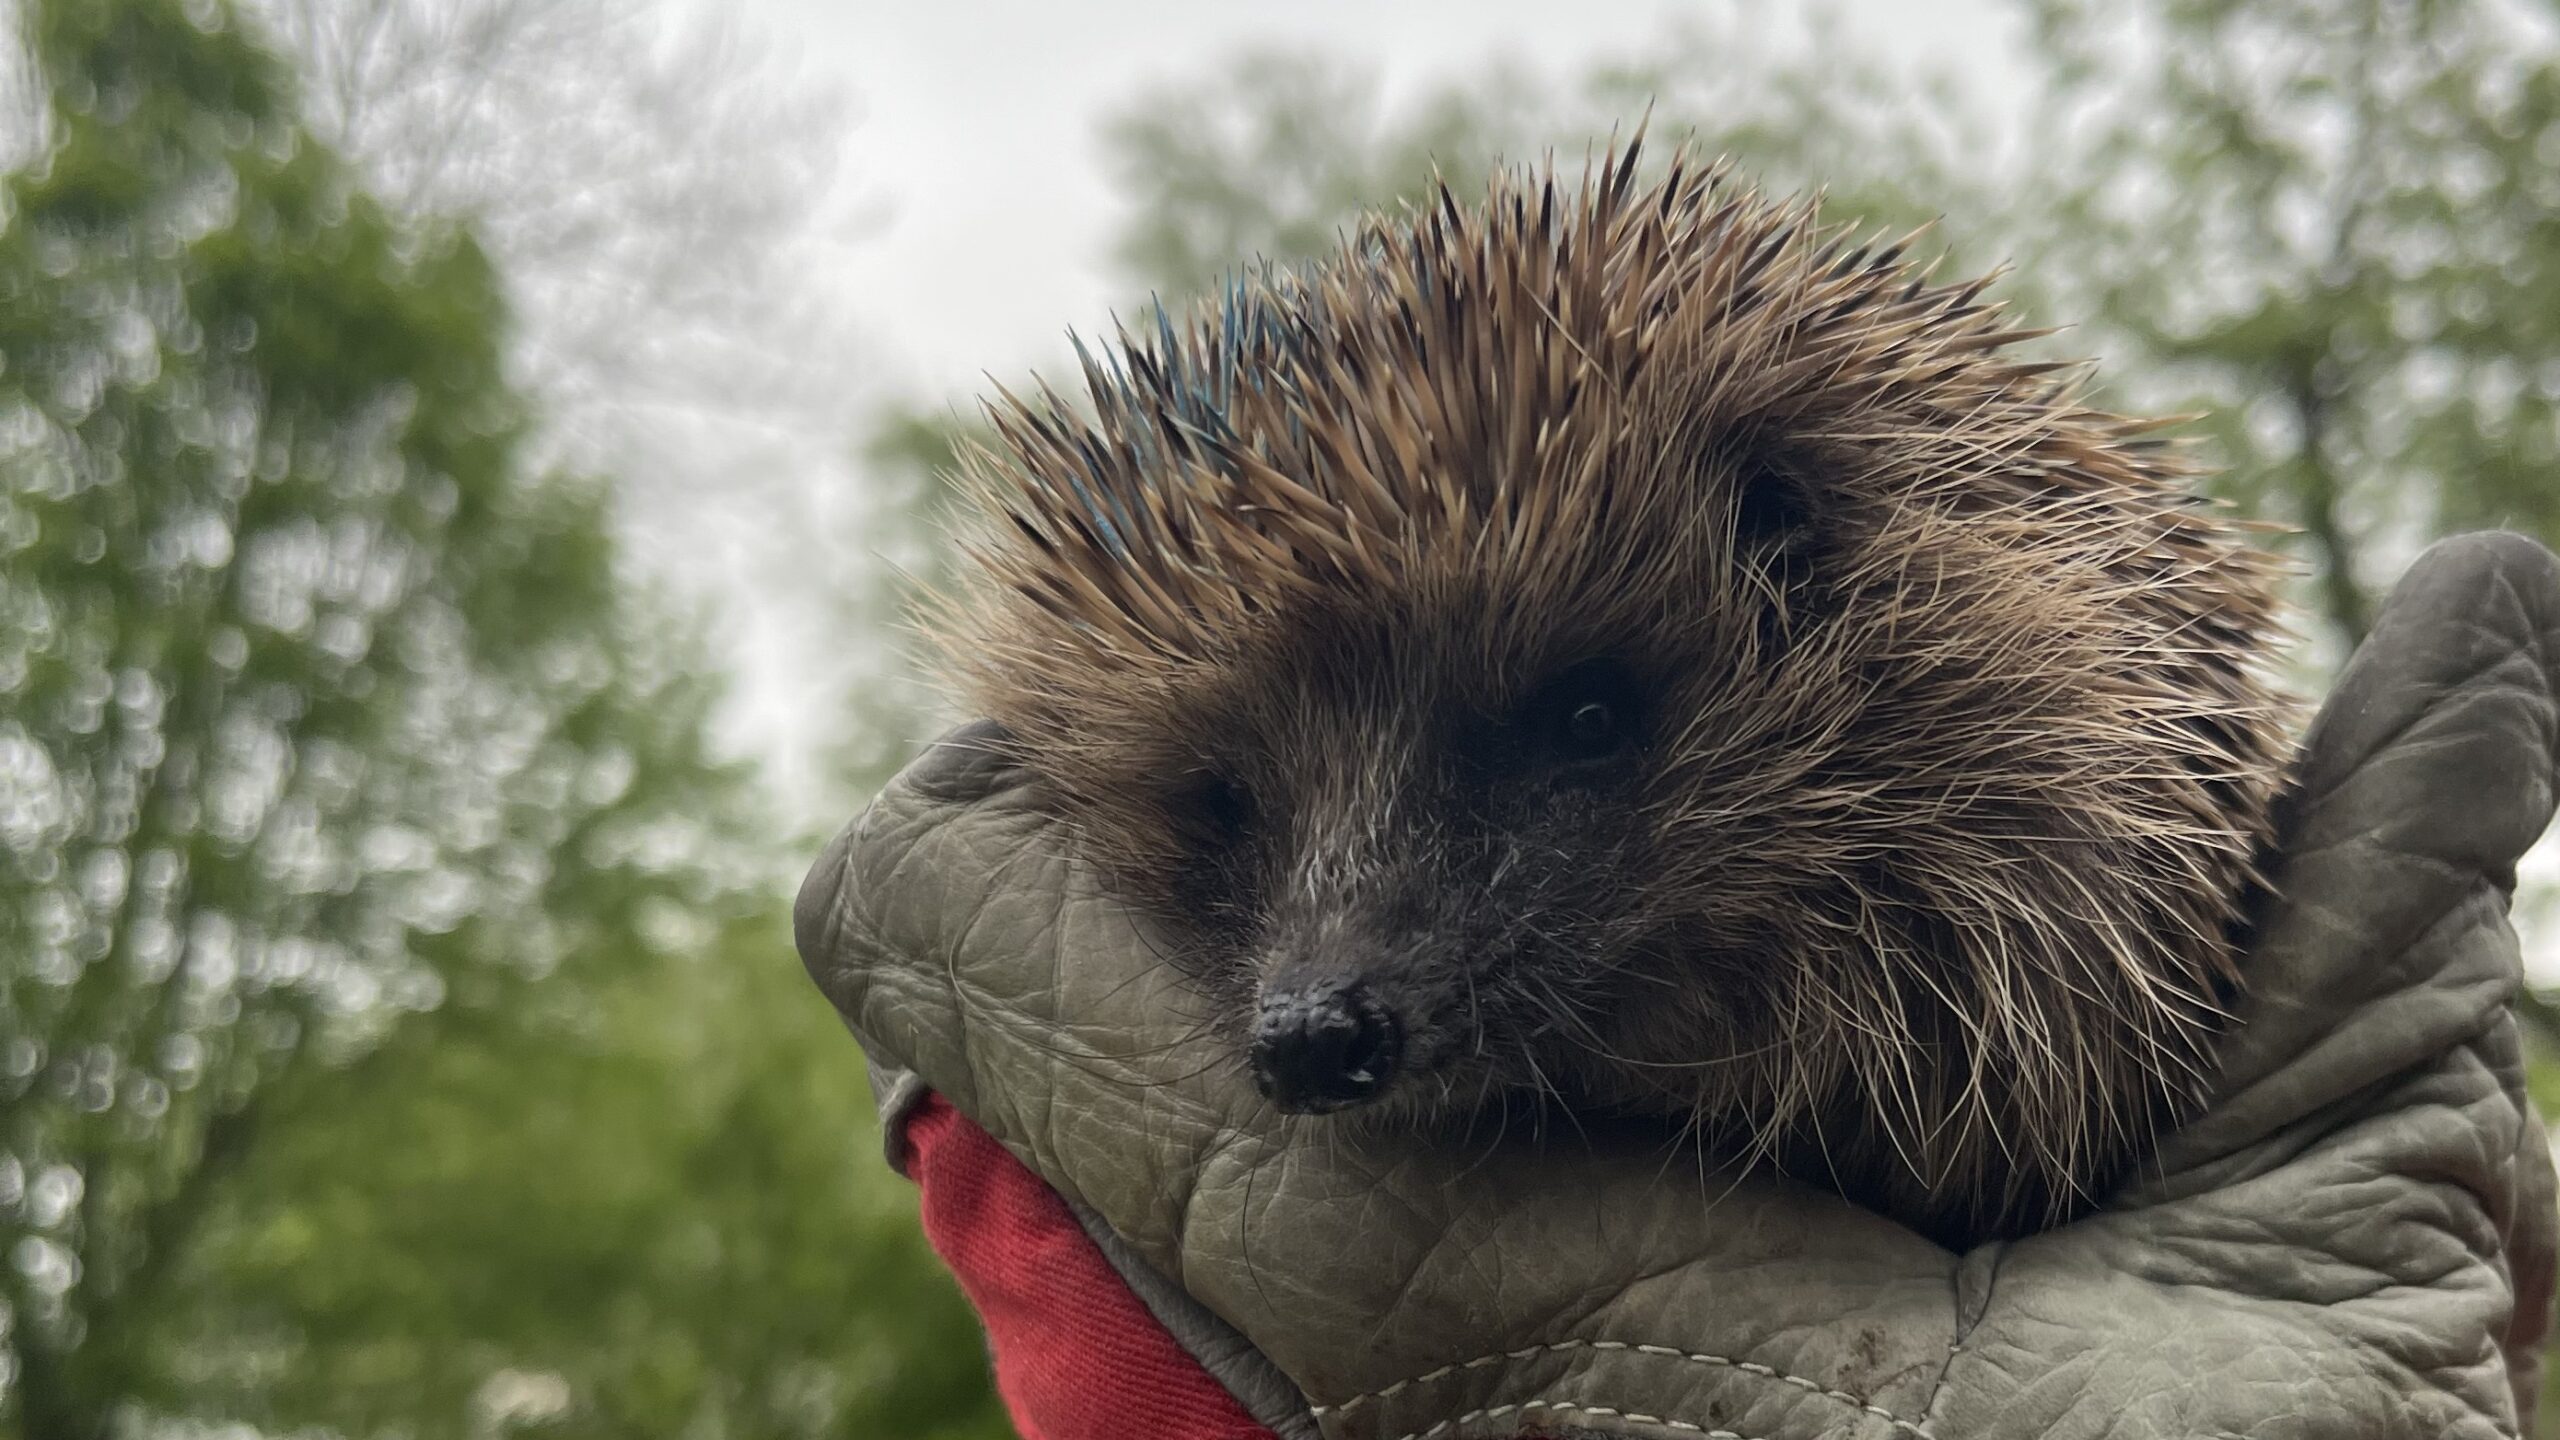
x,y
2337,1249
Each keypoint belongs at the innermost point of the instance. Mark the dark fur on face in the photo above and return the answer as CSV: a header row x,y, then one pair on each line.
x,y
1657,654
1467,847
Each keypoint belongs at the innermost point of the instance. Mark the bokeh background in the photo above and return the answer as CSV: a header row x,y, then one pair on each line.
x,y
462,461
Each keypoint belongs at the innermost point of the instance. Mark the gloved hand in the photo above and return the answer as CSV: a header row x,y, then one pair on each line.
x,y
2356,1240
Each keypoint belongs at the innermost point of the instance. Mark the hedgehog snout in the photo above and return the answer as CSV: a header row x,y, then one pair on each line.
x,y
1324,1045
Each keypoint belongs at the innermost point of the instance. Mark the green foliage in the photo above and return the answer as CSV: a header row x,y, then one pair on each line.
x,y
664,1213
1274,156
396,1034
2335,228
890,709
1277,155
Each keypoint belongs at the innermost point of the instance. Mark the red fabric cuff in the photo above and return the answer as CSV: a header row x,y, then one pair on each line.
x,y
1077,1355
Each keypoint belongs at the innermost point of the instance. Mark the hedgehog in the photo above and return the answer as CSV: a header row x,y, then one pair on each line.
x,y
1632,646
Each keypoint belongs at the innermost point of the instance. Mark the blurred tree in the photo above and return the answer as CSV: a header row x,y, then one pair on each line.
x,y
661,1213
889,710
2335,230
354,821
651,195
1276,154
1271,158
661,195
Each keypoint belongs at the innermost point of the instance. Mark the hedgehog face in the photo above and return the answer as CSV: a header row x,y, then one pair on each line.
x,y
1398,886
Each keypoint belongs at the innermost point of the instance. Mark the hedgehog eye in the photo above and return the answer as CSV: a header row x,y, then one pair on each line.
x,y
1219,805
1586,715
1593,725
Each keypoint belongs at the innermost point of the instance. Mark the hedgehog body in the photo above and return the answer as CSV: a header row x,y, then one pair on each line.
x,y
1626,642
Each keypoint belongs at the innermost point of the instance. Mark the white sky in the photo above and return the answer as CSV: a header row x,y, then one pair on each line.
x,y
980,117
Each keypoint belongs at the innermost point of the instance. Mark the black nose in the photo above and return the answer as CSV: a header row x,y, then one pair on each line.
x,y
1324,1047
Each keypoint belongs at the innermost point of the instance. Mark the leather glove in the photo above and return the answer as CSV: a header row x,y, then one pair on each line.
x,y
2357,1239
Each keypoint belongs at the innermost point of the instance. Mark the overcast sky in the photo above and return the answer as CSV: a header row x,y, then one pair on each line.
x,y
979,125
